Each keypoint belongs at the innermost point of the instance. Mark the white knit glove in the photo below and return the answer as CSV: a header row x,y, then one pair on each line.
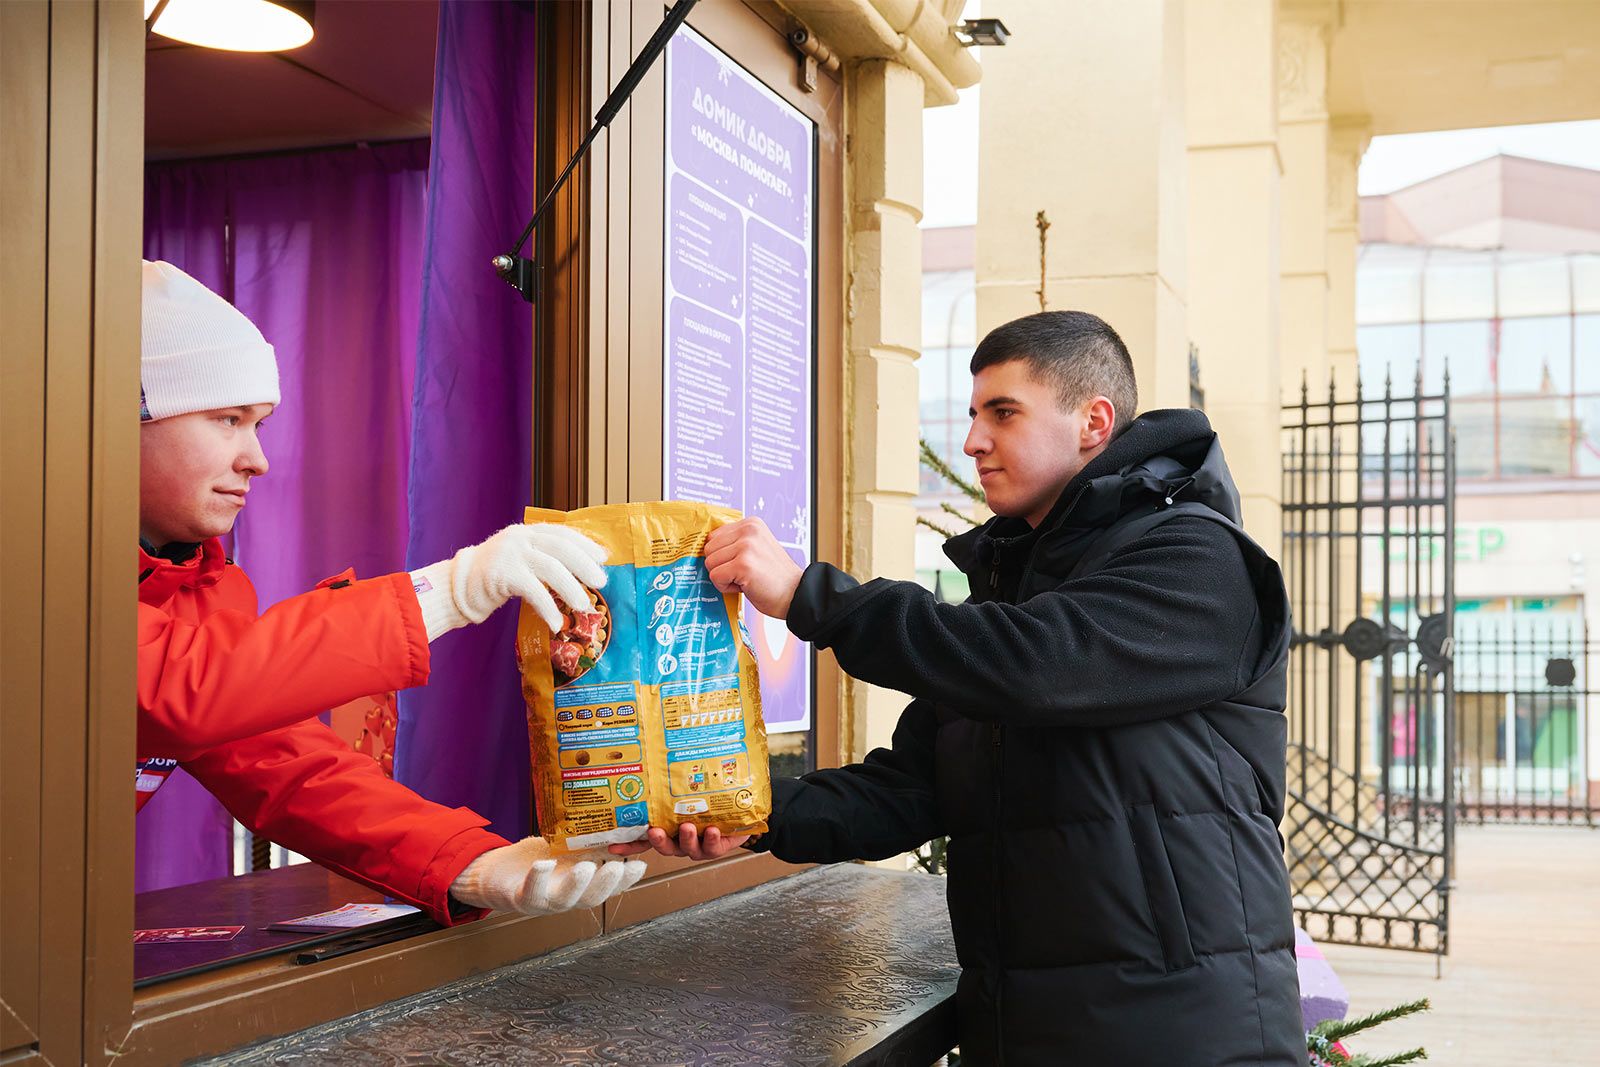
x,y
521,561
526,878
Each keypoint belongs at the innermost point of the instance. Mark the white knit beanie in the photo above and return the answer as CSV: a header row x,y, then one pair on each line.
x,y
199,352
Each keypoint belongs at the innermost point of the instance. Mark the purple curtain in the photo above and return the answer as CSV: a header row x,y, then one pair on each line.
x,y
463,740
327,261
323,251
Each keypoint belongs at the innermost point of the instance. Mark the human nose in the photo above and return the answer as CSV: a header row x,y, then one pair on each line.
x,y
977,442
253,460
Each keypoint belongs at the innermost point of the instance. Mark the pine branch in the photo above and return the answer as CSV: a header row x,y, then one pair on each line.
x,y
935,463
968,519
1410,1056
940,530
1339,1029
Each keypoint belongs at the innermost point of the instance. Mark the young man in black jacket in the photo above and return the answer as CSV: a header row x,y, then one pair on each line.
x,y
1099,730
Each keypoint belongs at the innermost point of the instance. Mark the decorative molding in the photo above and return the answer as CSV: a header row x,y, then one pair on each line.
x,y
1342,199
1348,137
1302,59
914,33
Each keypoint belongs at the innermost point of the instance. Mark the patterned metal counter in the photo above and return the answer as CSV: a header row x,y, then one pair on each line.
x,y
837,965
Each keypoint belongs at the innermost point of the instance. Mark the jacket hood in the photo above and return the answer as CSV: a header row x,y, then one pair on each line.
x,y
1169,455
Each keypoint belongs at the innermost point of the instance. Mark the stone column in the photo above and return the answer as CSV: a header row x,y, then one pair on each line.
x,y
1303,129
1082,116
1348,138
1234,238
883,339
1303,146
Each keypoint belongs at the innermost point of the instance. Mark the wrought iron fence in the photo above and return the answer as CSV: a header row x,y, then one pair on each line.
x,y
1368,502
1524,702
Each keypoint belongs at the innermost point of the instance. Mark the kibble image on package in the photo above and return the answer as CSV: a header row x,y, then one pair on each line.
x,y
645,711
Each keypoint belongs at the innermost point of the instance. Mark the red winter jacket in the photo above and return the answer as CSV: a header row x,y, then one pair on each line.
x,y
233,696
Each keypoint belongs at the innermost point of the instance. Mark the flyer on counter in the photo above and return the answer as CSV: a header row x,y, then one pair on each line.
x,y
346,917
184,934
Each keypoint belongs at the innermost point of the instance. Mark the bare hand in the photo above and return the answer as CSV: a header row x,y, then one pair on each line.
x,y
744,557
690,843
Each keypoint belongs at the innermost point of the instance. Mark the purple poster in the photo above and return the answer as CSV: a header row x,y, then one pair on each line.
x,y
738,340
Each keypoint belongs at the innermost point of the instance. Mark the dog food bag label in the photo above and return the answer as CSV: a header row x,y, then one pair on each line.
x,y
645,711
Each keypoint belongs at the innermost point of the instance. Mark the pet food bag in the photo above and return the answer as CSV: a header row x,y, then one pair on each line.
x,y
646,711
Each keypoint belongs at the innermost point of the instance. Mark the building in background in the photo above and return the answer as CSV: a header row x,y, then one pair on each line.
x,y
1490,274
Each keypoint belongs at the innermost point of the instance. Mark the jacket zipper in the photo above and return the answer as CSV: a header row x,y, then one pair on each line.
x,y
995,860
999,893
1027,567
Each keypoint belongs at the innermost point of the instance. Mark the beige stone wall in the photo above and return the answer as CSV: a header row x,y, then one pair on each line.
x,y
1082,117
1302,56
1348,137
1235,204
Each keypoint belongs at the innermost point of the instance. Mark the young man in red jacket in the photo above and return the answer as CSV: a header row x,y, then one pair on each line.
x,y
232,695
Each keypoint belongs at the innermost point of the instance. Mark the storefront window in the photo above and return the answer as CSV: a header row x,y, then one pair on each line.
x,y
1537,355
1475,438
1586,353
1462,348
1523,362
1389,285
945,388
1388,352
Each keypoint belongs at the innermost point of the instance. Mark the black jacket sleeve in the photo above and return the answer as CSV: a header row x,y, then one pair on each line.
x,y
871,810
1168,625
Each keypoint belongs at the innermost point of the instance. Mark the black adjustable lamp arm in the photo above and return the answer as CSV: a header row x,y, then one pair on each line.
x,y
519,272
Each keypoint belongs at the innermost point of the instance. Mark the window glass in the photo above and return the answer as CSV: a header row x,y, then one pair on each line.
x,y
1586,428
1389,284
1462,348
1533,285
1586,354
1535,355
1586,282
1475,438
1458,285
1536,436
1388,351
948,309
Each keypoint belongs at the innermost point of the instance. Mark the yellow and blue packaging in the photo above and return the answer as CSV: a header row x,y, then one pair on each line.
x,y
646,711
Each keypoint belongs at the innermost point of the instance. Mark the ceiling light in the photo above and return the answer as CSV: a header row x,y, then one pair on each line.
x,y
235,25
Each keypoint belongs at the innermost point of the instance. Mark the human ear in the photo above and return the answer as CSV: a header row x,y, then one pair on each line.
x,y
1099,422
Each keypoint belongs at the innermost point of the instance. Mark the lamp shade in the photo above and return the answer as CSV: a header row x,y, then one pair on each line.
x,y
235,25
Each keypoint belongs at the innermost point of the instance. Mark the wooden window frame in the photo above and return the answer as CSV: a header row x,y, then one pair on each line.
x,y
73,76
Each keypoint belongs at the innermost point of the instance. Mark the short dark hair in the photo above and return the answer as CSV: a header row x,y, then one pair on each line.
x,y
1079,353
